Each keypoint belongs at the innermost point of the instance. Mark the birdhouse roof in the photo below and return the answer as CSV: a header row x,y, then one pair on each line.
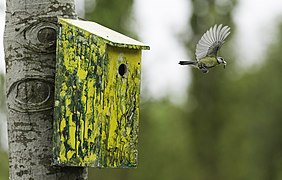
x,y
109,36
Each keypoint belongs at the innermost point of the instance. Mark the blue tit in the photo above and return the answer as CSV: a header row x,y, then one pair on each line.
x,y
207,49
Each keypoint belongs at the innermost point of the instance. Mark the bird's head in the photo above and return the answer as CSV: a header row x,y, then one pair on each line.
x,y
220,60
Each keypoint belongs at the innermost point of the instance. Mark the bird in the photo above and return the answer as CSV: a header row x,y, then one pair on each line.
x,y
208,47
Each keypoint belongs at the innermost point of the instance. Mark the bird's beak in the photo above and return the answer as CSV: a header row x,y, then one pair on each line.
x,y
224,64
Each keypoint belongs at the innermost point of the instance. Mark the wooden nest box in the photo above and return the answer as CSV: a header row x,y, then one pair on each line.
x,y
97,92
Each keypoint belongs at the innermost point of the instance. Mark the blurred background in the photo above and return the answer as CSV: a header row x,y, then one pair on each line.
x,y
222,125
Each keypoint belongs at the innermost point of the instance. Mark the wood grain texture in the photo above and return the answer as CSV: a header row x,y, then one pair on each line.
x,y
30,43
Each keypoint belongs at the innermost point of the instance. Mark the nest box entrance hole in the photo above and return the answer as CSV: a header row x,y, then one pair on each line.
x,y
122,69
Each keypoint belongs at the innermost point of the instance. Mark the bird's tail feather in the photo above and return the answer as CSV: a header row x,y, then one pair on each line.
x,y
188,63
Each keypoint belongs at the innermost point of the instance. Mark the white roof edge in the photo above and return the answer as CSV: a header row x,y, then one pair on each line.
x,y
112,37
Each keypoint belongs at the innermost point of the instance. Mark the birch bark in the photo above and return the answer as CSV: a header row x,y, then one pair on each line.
x,y
29,42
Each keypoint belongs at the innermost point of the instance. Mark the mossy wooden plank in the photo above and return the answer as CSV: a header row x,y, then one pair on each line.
x,y
96,101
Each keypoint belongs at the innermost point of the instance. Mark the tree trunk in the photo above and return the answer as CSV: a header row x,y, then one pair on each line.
x,y
30,40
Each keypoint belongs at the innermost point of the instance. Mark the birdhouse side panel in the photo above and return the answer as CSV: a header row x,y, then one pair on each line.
x,y
80,76
121,107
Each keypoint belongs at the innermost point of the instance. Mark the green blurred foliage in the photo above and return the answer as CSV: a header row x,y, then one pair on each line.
x,y
206,121
251,143
4,165
234,125
111,13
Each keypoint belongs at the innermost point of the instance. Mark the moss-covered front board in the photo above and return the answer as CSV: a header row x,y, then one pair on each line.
x,y
96,112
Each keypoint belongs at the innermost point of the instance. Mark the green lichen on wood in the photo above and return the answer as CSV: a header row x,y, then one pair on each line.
x,y
96,108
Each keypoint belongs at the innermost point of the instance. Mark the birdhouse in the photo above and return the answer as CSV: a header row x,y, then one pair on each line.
x,y
97,92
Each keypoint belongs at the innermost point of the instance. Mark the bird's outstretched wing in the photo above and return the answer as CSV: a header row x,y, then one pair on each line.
x,y
211,41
